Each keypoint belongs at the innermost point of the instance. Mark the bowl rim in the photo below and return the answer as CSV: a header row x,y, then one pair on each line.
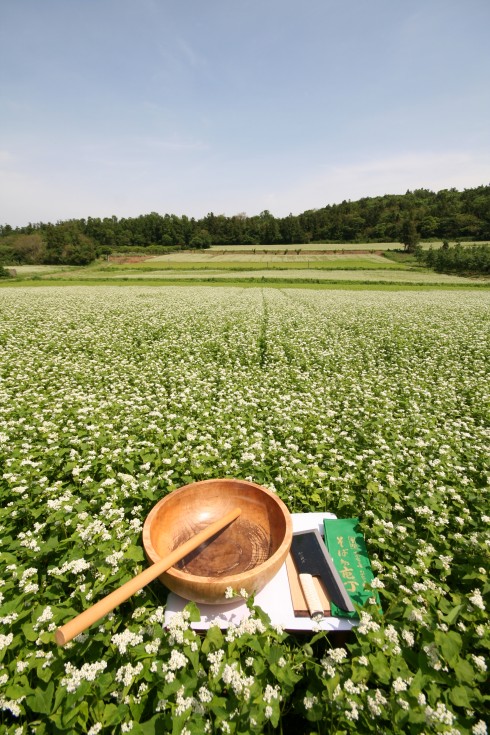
x,y
231,579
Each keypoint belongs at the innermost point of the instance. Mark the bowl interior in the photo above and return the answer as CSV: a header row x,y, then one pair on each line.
x,y
249,541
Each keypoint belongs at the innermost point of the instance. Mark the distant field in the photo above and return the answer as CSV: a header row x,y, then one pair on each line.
x,y
322,247
230,258
40,270
231,261
243,265
297,274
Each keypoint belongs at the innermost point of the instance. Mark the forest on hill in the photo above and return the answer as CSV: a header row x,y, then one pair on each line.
x,y
407,218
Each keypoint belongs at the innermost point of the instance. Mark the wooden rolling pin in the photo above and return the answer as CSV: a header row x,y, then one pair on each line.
x,y
87,618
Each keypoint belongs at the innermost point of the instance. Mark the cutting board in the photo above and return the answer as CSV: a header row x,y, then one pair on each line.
x,y
298,599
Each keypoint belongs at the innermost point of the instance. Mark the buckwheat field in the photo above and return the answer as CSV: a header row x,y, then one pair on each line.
x,y
369,404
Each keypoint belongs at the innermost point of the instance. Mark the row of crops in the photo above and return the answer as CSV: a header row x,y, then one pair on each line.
x,y
365,404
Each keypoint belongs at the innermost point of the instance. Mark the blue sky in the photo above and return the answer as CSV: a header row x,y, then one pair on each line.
x,y
123,107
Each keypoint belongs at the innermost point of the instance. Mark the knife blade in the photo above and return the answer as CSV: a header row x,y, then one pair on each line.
x,y
313,560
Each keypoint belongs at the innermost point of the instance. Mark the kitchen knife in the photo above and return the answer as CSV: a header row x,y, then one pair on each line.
x,y
313,560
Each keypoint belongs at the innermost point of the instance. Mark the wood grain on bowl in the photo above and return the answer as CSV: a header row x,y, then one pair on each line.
x,y
246,555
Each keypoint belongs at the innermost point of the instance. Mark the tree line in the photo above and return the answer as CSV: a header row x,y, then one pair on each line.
x,y
421,214
458,258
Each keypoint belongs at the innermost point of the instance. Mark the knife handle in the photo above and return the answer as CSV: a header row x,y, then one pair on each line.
x,y
311,596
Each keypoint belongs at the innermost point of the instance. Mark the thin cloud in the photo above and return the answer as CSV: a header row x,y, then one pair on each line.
x,y
5,156
404,164
190,54
390,175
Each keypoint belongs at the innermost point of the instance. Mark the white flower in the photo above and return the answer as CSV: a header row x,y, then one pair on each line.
x,y
88,672
408,637
125,674
479,728
183,703
11,705
476,599
400,685
309,702
152,647
439,715
416,615
45,616
366,623
177,660
352,713
240,683
75,566
391,634
126,639
5,640
271,693
376,703
214,659
114,559
479,662
338,655
204,695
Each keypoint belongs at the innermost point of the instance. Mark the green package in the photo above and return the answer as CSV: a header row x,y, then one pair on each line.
x,y
346,545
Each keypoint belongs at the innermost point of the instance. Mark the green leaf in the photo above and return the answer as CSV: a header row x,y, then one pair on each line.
x,y
416,715
464,671
451,644
452,616
50,544
104,683
69,717
14,691
59,697
260,665
83,714
255,645
195,615
459,696
155,726
113,715
44,674
135,553
29,632
136,709
380,666
214,639
418,682
178,722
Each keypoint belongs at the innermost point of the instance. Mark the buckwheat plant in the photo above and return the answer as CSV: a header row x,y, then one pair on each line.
x,y
365,404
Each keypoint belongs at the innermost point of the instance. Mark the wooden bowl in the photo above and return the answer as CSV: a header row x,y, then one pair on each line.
x,y
245,555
